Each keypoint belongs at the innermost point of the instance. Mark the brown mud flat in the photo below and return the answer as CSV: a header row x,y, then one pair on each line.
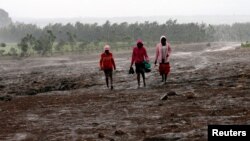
x,y
64,98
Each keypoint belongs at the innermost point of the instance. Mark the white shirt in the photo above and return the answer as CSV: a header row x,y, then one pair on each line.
x,y
164,52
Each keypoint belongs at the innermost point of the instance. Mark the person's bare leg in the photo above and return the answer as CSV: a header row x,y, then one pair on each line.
x,y
144,81
138,79
111,81
165,78
107,80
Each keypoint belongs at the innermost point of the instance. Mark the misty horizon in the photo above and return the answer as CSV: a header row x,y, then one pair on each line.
x,y
112,8
43,12
207,19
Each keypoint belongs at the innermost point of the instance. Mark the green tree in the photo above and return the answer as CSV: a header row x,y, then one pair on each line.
x,y
3,45
72,40
2,52
45,43
27,44
60,45
13,51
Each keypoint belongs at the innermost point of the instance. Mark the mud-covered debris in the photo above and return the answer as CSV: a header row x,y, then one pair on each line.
x,y
160,139
190,95
164,97
220,84
80,131
2,87
166,137
31,92
47,89
144,131
171,93
111,140
160,104
119,133
172,114
239,86
101,135
231,85
95,124
67,85
6,98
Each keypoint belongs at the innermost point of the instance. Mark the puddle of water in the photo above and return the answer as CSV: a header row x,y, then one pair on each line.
x,y
49,59
32,117
20,137
182,54
222,48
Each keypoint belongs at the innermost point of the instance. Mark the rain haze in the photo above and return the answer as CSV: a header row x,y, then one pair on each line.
x,y
125,8
215,11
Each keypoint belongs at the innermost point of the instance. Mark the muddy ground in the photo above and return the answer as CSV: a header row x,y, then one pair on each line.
x,y
64,97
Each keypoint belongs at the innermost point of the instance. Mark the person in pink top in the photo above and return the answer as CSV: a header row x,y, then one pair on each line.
x,y
139,55
163,51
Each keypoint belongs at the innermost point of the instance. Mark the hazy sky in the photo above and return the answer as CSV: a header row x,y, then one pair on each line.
x,y
122,8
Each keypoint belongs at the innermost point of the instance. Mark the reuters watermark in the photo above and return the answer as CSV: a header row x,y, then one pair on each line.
x,y
227,132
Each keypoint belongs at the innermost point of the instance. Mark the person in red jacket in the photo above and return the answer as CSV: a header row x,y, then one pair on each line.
x,y
163,51
138,57
107,64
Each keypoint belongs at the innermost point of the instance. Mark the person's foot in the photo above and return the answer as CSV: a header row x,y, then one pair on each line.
x,y
112,88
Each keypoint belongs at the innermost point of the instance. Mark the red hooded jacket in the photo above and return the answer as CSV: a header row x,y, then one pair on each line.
x,y
139,54
107,61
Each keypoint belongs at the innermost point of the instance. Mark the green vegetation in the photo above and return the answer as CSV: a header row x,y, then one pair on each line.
x,y
247,44
58,38
13,49
41,46
123,32
26,45
3,45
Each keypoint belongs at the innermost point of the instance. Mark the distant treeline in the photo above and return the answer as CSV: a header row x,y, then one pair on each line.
x,y
124,32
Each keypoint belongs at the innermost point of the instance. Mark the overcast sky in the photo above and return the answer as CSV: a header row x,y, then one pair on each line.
x,y
122,8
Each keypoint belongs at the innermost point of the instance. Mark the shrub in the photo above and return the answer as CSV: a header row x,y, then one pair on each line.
x,y
13,51
1,52
247,44
3,44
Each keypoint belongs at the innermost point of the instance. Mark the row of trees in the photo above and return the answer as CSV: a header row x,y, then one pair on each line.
x,y
150,31
40,40
113,32
190,32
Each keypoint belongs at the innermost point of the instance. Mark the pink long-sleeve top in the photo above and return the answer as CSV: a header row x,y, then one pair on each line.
x,y
159,57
